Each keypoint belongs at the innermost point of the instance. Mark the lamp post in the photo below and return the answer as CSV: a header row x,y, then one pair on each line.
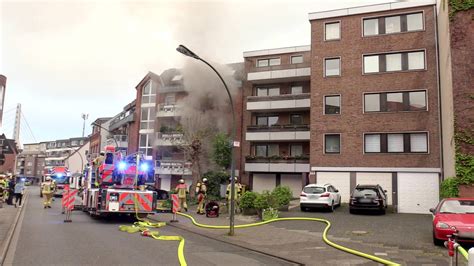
x,y
182,49
84,117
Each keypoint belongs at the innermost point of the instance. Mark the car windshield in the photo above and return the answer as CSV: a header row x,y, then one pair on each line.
x,y
457,206
314,190
60,179
367,192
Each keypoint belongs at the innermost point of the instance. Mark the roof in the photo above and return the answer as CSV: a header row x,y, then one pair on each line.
x,y
101,120
77,150
284,50
368,9
148,76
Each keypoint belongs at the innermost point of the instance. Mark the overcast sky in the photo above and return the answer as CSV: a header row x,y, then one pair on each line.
x,y
64,58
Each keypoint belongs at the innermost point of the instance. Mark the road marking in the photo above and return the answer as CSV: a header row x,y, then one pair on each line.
x,y
380,254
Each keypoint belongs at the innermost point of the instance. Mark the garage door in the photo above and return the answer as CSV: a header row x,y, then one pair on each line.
x,y
340,180
263,182
383,179
417,192
294,182
165,182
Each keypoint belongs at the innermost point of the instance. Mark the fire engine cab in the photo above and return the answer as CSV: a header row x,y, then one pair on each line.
x,y
115,185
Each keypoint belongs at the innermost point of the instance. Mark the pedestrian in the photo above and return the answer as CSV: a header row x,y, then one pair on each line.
x,y
19,191
47,190
182,189
11,190
201,191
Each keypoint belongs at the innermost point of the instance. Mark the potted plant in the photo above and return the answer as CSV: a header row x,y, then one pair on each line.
x,y
264,201
282,196
247,203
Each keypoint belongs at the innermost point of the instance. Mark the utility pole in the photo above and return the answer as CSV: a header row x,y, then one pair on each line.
x,y
16,129
84,117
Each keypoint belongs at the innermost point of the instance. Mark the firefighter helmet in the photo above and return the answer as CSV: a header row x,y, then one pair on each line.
x,y
181,181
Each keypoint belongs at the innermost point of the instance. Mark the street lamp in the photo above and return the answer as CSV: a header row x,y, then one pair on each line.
x,y
182,49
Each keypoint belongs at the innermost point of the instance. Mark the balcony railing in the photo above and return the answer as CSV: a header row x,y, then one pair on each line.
x,y
169,139
171,88
275,128
279,97
121,120
279,102
281,72
173,167
167,110
277,159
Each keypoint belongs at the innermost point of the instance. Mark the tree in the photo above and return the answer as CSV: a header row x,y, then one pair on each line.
x,y
222,150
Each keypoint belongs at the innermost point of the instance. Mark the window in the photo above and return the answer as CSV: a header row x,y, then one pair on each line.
x,y
371,64
29,164
296,89
394,62
371,27
393,24
268,62
396,143
372,143
416,60
297,59
147,118
296,119
296,150
267,120
267,150
332,105
332,67
274,91
148,93
146,144
415,22
170,99
395,101
332,31
332,143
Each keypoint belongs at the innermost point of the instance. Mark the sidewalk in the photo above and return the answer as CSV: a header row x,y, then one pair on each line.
x,y
8,216
300,245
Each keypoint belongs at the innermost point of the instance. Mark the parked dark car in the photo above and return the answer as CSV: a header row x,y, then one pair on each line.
x,y
368,197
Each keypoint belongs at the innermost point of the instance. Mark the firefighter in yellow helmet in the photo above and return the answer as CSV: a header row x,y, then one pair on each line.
x,y
47,189
97,162
201,192
3,189
182,189
237,193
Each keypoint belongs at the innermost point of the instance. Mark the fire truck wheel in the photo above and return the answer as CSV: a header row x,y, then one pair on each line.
x,y
142,215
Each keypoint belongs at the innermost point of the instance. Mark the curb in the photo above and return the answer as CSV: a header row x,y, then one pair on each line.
x,y
6,245
231,242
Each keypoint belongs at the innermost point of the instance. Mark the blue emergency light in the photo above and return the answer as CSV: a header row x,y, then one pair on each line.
x,y
122,166
59,175
144,167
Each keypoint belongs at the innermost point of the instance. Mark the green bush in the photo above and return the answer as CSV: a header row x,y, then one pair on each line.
x,y
265,201
214,181
248,199
282,195
269,214
449,188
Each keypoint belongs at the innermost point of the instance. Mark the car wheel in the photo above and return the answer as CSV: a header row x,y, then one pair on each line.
x,y
437,242
382,211
352,211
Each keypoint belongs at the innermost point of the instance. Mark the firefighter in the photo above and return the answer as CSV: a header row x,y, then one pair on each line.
x,y
47,190
237,192
182,189
97,163
3,189
201,192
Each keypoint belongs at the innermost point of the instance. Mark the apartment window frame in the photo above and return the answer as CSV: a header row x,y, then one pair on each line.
x,y
266,119
268,61
383,101
324,143
267,89
382,63
150,95
296,86
340,31
407,147
267,149
297,56
293,115
294,145
340,104
403,23
340,66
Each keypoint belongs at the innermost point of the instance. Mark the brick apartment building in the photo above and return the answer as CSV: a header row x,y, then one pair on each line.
x,y
119,128
31,160
99,135
8,155
380,64
276,118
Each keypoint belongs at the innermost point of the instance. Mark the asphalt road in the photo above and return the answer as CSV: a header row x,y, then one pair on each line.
x,y
44,239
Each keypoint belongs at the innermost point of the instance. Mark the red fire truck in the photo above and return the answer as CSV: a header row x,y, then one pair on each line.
x,y
59,175
116,185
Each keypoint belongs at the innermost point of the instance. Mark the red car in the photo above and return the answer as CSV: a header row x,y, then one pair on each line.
x,y
453,215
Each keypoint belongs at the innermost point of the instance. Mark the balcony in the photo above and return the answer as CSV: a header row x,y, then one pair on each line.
x,y
172,167
277,164
121,120
169,139
167,110
120,140
280,102
171,88
280,73
277,133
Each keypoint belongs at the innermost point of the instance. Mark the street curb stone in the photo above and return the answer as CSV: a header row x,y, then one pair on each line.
x,y
6,244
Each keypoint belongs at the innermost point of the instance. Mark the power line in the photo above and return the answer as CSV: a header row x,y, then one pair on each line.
x,y
26,121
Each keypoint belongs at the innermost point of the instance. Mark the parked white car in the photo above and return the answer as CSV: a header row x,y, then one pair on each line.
x,y
316,195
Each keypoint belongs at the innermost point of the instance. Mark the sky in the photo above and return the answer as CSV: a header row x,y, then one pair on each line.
x,y
64,58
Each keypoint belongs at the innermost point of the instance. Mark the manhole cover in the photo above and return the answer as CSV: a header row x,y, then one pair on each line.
x,y
359,232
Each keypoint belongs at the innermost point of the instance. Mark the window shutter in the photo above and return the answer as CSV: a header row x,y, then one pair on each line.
x,y
395,142
418,142
372,143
